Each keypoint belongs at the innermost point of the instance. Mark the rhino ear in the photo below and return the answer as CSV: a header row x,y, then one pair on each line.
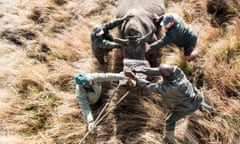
x,y
122,42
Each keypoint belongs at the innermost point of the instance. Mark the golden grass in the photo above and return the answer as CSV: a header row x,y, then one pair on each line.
x,y
37,96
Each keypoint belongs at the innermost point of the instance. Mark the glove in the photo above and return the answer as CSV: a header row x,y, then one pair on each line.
x,y
91,126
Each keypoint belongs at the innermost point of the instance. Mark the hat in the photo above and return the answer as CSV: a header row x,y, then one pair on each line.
x,y
166,19
82,79
98,31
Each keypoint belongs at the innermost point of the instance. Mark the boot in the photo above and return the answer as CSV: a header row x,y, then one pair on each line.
x,y
169,138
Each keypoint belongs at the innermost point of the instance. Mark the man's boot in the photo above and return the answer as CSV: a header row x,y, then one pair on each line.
x,y
170,138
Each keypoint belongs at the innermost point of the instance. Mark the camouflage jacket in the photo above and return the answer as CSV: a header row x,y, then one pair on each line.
x,y
179,93
86,97
105,42
180,34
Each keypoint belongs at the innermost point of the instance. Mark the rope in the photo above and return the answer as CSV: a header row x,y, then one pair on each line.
x,y
115,90
101,116
111,108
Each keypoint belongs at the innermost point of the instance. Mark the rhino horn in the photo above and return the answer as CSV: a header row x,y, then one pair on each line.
x,y
122,42
146,37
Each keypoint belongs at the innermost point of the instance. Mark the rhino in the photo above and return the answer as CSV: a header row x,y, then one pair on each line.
x,y
140,29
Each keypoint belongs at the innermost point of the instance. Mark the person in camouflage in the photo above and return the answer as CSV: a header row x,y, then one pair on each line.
x,y
177,32
101,41
88,91
180,95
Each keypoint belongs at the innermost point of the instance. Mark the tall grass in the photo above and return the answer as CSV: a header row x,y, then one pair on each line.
x,y
44,43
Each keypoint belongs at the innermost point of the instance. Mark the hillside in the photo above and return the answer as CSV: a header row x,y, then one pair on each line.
x,y
43,44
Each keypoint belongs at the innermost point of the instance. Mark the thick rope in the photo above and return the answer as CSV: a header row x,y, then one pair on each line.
x,y
111,108
101,116
103,109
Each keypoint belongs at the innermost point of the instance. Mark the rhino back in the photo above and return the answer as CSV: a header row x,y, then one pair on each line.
x,y
150,6
143,11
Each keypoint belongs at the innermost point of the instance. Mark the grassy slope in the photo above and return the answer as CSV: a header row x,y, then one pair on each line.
x,y
44,43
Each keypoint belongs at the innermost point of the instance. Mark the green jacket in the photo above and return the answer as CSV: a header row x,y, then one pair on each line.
x,y
180,34
101,44
86,97
179,93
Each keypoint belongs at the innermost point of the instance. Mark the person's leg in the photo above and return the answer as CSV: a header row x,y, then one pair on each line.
x,y
169,138
98,104
170,127
171,122
174,117
190,51
100,59
100,54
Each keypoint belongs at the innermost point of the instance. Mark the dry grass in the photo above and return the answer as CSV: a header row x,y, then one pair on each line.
x,y
44,43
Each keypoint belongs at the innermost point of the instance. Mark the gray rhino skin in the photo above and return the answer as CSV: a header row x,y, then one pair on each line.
x,y
134,32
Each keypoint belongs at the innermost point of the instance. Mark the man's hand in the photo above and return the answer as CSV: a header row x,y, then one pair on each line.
x,y
91,126
130,74
132,83
155,18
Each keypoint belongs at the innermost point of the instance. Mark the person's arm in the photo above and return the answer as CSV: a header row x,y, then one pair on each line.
x,y
113,23
110,45
148,85
84,104
101,77
157,19
160,43
148,70
142,82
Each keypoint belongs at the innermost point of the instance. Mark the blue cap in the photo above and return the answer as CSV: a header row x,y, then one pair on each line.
x,y
166,19
82,79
